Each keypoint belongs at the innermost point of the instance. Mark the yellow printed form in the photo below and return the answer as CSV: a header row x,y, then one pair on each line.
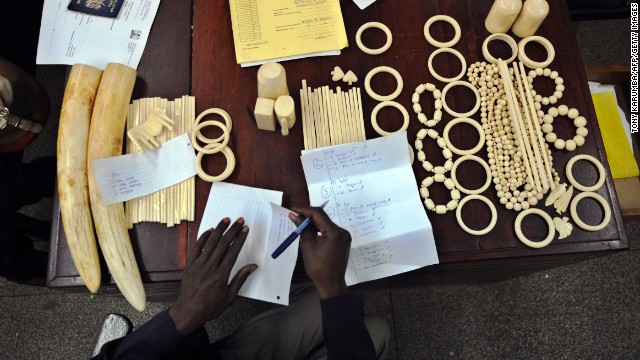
x,y
621,160
275,29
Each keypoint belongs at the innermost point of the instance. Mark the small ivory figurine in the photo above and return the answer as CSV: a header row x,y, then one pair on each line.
x,y
285,110
272,81
144,135
502,15
531,16
350,77
337,74
264,114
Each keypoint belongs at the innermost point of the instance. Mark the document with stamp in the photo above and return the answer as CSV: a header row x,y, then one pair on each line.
x,y
277,30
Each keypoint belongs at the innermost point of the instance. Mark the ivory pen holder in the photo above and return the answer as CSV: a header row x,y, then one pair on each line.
x,y
285,113
272,81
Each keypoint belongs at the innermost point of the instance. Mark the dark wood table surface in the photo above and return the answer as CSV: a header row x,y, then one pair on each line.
x,y
176,64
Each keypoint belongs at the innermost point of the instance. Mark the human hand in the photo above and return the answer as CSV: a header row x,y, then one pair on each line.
x,y
326,255
205,291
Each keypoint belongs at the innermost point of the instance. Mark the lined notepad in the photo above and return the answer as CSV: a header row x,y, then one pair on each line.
x,y
618,149
277,30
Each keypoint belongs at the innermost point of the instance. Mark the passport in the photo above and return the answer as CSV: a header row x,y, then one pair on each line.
x,y
106,8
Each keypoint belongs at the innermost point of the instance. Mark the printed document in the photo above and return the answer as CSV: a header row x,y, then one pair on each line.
x,y
373,194
272,30
69,37
268,225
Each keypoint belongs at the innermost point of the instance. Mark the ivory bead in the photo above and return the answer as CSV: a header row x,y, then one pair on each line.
x,y
547,119
547,128
424,192
559,80
427,181
439,170
553,99
442,143
452,205
559,144
448,154
430,87
546,72
422,117
431,123
441,209
438,104
580,121
427,165
504,201
422,133
415,98
421,156
563,110
582,131
432,134
455,194
539,71
449,184
517,207
579,140
553,111
439,178
509,205
420,89
532,201
573,113
525,205
545,101
418,144
553,75
430,204
437,115
417,108
558,94
560,87
551,137
570,145
448,164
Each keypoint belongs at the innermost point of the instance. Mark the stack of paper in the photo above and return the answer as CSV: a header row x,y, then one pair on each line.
x,y
372,193
279,30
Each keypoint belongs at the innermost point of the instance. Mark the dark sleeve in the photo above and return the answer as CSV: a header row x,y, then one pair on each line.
x,y
345,333
156,339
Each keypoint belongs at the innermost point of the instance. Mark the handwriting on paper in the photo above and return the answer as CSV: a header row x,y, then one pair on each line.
x,y
126,177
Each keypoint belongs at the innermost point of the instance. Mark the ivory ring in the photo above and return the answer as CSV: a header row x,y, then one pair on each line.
x,y
455,52
479,161
231,164
392,71
522,56
211,147
503,37
546,217
456,114
572,180
582,224
218,111
377,25
436,43
374,117
494,215
454,149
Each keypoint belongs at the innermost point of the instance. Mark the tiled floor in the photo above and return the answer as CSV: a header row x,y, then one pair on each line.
x,y
587,310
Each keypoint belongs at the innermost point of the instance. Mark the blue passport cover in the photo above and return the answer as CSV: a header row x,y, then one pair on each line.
x,y
106,8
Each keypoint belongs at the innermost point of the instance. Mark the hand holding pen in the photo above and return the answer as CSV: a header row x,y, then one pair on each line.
x,y
325,254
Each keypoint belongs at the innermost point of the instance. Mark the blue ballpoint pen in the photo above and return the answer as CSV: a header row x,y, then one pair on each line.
x,y
294,235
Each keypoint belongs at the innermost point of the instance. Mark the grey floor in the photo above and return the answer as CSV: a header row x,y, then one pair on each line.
x,y
588,310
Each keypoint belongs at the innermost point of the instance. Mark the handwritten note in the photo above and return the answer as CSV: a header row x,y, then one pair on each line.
x,y
269,225
372,193
127,177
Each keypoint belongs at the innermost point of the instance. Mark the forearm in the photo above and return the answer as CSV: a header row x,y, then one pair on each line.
x,y
345,333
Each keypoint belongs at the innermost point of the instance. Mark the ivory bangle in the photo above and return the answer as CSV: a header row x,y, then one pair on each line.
x,y
522,55
494,215
463,63
582,224
577,185
377,25
450,20
456,114
546,217
392,71
374,117
503,37
225,117
454,149
211,147
479,161
231,164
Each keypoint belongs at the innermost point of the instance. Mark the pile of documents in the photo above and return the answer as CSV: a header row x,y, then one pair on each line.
x,y
280,30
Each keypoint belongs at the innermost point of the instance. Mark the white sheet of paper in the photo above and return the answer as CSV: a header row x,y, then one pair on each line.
x,y
126,177
373,194
363,3
268,227
69,37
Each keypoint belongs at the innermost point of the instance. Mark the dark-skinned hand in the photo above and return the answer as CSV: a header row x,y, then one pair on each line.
x,y
205,291
326,255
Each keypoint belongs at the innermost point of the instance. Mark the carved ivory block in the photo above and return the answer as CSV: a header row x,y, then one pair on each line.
x,y
285,110
265,118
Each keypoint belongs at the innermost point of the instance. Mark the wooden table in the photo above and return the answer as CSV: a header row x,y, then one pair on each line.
x,y
173,66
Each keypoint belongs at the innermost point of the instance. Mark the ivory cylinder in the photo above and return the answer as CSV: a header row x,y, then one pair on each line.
x,y
272,81
502,15
530,18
